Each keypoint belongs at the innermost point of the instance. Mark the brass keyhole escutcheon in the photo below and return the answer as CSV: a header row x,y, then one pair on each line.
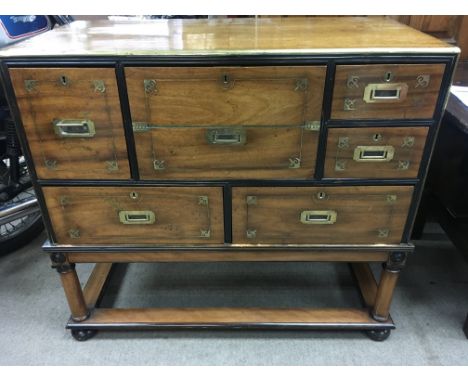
x,y
134,195
377,137
226,81
64,80
388,76
321,195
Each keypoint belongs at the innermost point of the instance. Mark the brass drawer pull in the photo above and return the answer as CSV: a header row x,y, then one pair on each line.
x,y
226,136
394,92
318,217
137,217
74,128
373,153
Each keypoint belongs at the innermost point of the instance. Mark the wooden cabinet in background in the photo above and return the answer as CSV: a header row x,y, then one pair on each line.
x,y
450,28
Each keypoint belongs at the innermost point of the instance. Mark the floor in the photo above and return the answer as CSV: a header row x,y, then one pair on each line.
x,y
429,308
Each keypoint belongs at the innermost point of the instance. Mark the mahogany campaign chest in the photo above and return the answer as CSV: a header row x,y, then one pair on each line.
x,y
273,139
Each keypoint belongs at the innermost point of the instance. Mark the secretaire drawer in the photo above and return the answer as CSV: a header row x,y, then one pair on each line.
x,y
391,91
73,122
136,215
226,122
320,215
383,152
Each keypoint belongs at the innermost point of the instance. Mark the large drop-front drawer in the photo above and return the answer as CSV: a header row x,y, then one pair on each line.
x,y
226,122
320,215
136,215
73,122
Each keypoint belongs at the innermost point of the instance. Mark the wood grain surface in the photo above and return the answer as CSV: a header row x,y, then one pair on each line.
x,y
224,36
383,299
366,280
90,215
214,316
364,214
241,255
270,105
267,154
103,156
95,284
76,301
420,101
408,144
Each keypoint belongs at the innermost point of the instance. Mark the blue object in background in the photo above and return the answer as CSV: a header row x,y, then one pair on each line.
x,y
16,28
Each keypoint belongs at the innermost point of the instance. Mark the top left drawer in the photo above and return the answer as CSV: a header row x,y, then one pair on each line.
x,y
73,122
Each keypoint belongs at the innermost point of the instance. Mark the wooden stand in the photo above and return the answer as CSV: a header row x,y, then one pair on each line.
x,y
373,318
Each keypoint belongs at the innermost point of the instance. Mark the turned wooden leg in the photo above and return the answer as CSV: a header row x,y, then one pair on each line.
x,y
71,287
381,309
388,280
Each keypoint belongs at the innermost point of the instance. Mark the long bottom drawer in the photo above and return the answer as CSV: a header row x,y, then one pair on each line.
x,y
320,215
136,215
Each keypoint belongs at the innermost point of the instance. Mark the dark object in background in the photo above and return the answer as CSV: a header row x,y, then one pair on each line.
x,y
446,190
20,218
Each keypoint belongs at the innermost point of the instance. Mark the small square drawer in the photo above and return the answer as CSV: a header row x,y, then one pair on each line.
x,y
226,122
136,215
383,152
392,91
320,215
73,122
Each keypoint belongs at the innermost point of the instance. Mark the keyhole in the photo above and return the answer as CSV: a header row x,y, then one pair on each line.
x,y
225,79
321,195
64,80
377,137
388,77
134,195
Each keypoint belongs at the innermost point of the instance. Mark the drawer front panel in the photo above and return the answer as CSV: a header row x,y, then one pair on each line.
x,y
212,122
73,122
391,91
320,215
136,215
386,152
190,153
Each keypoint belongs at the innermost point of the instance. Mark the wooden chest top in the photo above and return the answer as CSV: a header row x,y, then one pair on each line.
x,y
290,35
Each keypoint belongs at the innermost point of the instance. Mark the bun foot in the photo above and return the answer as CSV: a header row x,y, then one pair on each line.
x,y
378,334
83,335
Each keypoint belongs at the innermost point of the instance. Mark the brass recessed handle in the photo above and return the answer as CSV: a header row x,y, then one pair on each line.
x,y
226,136
137,217
373,153
74,128
318,217
385,93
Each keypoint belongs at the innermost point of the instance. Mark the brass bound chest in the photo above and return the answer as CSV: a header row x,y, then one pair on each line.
x,y
282,139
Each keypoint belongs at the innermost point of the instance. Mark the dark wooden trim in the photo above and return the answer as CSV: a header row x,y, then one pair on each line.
x,y
127,122
50,247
